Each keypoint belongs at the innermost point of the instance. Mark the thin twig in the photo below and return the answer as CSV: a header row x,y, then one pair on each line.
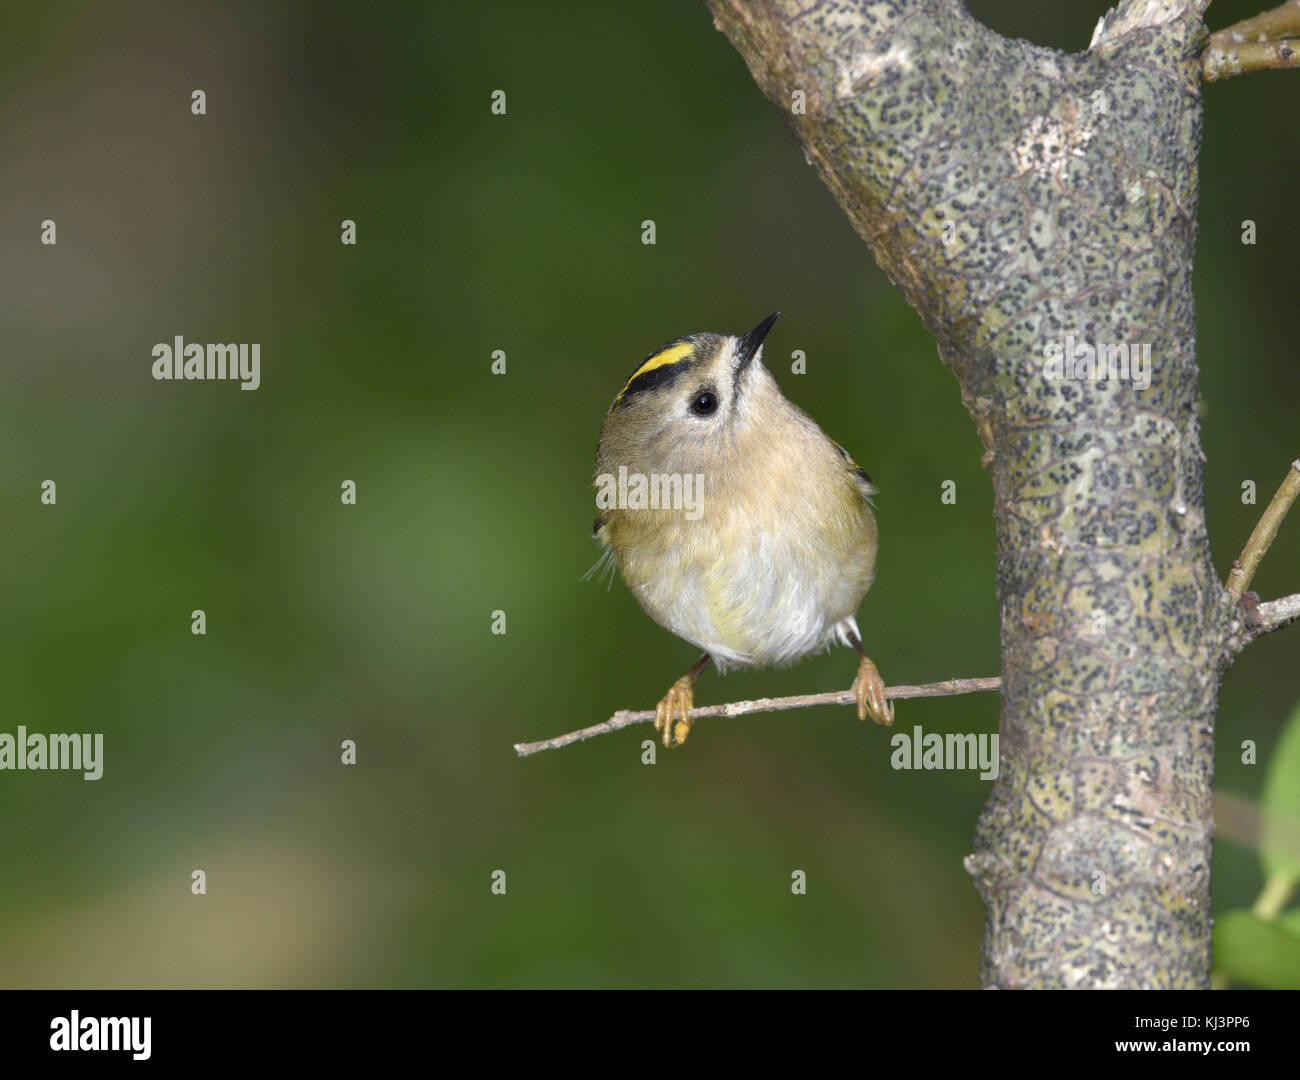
x,y
1224,61
1282,22
1276,614
1244,568
626,717
1268,40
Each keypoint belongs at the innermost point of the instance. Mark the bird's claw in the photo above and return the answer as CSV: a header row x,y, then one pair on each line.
x,y
870,689
676,703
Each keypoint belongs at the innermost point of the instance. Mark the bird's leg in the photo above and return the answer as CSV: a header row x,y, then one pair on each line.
x,y
677,702
870,688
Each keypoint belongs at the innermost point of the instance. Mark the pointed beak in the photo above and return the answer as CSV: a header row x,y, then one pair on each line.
x,y
748,346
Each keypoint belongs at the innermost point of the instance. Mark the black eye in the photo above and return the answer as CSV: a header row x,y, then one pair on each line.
x,y
705,403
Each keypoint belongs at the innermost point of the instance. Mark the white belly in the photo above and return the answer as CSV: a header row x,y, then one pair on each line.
x,y
765,605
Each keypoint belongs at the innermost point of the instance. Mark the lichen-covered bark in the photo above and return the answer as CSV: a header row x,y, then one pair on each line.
x,y
1021,196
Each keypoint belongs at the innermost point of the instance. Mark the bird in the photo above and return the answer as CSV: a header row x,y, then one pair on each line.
x,y
735,521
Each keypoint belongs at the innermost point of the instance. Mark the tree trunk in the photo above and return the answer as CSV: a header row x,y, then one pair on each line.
x,y
1032,205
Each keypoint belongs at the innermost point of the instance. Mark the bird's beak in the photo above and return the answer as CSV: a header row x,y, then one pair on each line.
x,y
748,346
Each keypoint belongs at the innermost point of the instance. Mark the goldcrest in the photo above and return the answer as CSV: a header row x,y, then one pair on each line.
x,y
736,522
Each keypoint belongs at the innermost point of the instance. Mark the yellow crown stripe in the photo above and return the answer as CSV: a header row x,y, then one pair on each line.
x,y
670,355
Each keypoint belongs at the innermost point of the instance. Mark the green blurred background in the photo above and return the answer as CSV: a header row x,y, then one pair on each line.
x,y
479,232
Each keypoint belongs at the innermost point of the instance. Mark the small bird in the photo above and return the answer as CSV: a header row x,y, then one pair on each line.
x,y
736,522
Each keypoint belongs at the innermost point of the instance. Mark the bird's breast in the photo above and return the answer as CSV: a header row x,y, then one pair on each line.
x,y
756,580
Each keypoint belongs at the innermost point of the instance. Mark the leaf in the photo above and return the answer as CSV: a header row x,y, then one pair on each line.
x,y
1279,838
1255,952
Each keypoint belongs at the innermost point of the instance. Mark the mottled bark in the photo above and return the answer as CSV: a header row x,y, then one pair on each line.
x,y
1019,195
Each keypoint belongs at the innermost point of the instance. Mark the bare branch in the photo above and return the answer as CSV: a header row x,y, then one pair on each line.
x,y
1224,61
1282,22
1269,40
1257,619
1243,569
626,718
1278,613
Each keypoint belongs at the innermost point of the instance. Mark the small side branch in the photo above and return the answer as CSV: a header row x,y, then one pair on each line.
x,y
1244,568
1282,22
1269,40
1275,614
1231,58
626,718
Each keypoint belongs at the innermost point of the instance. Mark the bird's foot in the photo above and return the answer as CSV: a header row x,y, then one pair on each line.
x,y
870,688
676,704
